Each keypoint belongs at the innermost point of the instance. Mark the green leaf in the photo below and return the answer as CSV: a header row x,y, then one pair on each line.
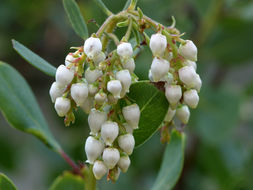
x,y
172,164
103,7
76,18
127,4
153,105
34,59
68,181
20,108
6,183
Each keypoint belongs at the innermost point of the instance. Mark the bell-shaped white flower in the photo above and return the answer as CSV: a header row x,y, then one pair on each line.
x,y
168,78
191,98
95,119
128,64
100,98
92,89
125,50
99,169
111,157
159,68
125,78
158,44
79,92
87,105
169,115
56,91
128,128
92,46
132,115
62,106
63,75
190,63
188,76
197,83
173,93
92,75
188,50
124,163
183,114
150,76
109,132
93,149
99,58
69,60
114,87
126,143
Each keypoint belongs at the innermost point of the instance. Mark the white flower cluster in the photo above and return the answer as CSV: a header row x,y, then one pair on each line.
x,y
105,81
182,83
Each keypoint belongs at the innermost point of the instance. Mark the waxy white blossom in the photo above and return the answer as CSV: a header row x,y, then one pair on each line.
x,y
188,76
126,143
183,114
168,78
169,115
125,50
69,60
100,98
114,87
62,106
99,58
95,119
109,132
190,63
158,44
87,105
128,128
79,92
124,163
111,157
173,93
150,76
191,98
125,78
93,149
56,91
188,50
63,75
132,115
92,46
159,68
197,83
99,169
129,64
92,89
92,75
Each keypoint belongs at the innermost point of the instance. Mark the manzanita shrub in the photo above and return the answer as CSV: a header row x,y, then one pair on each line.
x,y
123,112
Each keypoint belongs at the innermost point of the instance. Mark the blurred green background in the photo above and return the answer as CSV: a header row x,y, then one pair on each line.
x,y
219,151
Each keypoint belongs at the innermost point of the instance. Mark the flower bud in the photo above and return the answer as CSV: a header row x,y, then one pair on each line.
x,y
99,169
126,143
169,115
55,91
197,83
191,98
132,115
111,157
158,44
92,89
99,58
114,87
95,119
128,128
125,50
125,78
62,106
191,63
124,163
188,76
79,92
93,149
188,50
168,78
92,46
109,132
129,64
183,114
63,75
68,60
159,68
92,75
100,98
87,105
173,93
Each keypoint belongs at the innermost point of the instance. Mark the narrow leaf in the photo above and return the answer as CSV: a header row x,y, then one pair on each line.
x,y
20,108
127,4
153,105
68,181
34,59
76,18
101,4
172,163
6,183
